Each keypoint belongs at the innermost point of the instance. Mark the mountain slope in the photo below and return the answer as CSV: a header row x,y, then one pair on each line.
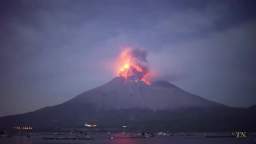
x,y
157,106
123,94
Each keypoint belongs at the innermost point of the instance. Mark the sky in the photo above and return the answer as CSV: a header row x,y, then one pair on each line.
x,y
53,50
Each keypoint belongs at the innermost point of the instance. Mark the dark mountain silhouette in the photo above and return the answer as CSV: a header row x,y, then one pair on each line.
x,y
124,94
160,105
253,107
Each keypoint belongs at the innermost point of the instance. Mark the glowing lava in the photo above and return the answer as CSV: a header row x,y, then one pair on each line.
x,y
132,65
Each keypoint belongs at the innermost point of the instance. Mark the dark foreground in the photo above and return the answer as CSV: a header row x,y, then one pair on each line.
x,y
119,138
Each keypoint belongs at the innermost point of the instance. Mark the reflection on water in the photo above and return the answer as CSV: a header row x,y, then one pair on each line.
x,y
124,141
127,138
105,139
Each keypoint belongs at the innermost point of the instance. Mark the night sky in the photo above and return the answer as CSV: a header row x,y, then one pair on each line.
x,y
52,50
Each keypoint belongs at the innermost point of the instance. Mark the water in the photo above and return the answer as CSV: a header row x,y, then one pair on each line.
x,y
104,139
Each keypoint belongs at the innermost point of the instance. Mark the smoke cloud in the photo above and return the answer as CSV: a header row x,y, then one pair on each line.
x,y
133,65
140,55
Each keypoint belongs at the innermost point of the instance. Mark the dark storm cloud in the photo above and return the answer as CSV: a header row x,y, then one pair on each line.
x,y
53,50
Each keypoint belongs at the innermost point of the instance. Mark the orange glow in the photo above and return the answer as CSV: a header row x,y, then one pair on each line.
x,y
129,67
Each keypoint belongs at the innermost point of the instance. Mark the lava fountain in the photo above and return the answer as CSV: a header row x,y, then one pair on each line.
x,y
132,65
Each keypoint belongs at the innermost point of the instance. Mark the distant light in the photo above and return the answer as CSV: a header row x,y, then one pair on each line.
x,y
124,126
90,125
23,128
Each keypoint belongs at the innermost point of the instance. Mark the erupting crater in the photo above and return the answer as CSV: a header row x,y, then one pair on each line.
x,y
132,65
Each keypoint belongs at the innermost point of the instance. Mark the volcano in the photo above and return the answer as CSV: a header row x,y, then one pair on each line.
x,y
133,99
122,93
159,105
